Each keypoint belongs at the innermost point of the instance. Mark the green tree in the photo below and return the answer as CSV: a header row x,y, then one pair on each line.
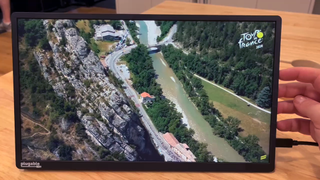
x,y
165,27
65,152
158,23
85,36
93,22
71,116
128,42
87,83
232,127
44,44
103,152
250,148
63,41
103,22
212,120
108,158
94,47
133,30
33,31
116,24
119,156
21,24
140,64
50,27
36,112
219,129
264,98
53,143
81,131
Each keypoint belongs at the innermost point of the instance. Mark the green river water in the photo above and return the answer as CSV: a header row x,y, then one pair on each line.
x,y
173,90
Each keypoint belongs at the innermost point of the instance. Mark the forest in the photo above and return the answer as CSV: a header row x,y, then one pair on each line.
x,y
214,54
41,94
33,31
165,27
162,112
31,77
140,65
133,30
227,128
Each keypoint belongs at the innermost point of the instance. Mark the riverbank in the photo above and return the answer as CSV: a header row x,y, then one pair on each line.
x,y
179,109
170,34
138,25
153,32
174,100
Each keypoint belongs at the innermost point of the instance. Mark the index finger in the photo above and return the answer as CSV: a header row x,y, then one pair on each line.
x,y
302,74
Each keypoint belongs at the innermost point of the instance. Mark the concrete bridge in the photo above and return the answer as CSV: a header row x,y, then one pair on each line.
x,y
157,47
154,46
154,49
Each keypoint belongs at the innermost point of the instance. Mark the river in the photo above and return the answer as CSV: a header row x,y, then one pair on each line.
x,y
173,90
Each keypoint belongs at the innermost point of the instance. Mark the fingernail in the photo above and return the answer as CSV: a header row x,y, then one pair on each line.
x,y
299,99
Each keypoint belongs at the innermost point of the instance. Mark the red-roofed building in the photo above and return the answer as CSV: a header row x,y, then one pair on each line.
x,y
180,149
144,95
185,146
146,98
171,140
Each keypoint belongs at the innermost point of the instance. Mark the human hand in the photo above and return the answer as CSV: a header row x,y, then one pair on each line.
x,y
306,102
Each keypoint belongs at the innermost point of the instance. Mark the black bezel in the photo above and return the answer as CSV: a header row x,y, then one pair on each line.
x,y
150,166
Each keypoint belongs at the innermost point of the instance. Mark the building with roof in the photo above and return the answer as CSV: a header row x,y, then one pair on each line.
x,y
146,98
181,149
106,32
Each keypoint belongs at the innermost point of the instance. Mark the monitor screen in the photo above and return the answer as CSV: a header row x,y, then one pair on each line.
x,y
135,90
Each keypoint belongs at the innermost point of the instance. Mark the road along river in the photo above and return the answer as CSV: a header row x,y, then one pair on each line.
x,y
173,90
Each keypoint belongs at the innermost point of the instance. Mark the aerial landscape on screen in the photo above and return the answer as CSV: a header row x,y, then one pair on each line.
x,y
132,90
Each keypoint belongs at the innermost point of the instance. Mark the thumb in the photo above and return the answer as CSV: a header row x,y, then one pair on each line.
x,y
309,108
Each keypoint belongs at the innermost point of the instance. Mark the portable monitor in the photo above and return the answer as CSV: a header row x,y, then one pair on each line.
x,y
145,92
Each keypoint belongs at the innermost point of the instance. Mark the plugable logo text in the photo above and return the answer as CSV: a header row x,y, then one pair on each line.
x,y
30,165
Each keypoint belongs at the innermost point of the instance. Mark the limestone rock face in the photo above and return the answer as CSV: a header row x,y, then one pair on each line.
x,y
103,109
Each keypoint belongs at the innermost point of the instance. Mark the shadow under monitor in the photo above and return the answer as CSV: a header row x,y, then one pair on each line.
x,y
303,63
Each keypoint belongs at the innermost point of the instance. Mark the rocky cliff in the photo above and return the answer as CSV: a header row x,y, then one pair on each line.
x,y
102,108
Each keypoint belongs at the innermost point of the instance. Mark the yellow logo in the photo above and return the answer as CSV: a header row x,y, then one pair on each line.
x,y
260,35
263,157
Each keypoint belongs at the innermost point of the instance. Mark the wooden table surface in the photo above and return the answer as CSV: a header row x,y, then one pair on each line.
x,y
5,53
299,42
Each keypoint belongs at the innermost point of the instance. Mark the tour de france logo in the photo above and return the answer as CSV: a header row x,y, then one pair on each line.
x,y
251,39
